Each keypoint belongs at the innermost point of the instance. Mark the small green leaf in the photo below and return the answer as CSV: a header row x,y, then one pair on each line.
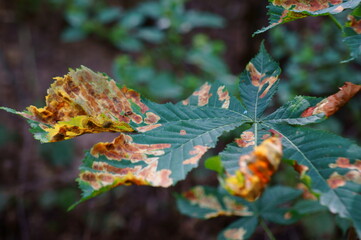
x,y
214,163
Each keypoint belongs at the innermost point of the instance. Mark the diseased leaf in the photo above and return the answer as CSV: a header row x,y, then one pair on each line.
x,y
160,157
332,163
333,103
280,11
207,202
255,170
273,205
258,83
86,102
291,112
240,229
215,96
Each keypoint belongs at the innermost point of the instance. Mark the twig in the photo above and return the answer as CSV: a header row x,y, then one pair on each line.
x,y
267,230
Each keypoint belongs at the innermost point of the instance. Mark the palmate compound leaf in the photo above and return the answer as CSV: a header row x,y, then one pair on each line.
x,y
86,102
163,156
280,11
208,202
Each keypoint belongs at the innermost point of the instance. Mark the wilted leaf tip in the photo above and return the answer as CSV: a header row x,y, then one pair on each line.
x,y
333,103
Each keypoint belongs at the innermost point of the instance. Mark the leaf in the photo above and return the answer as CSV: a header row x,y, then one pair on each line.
x,y
258,83
215,96
240,229
286,11
291,112
255,170
160,157
214,163
333,103
331,162
207,202
352,32
86,102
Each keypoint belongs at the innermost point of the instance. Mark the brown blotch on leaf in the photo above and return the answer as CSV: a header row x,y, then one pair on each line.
x,y
224,97
354,24
259,80
235,233
151,118
306,193
246,140
333,103
182,132
343,162
301,169
123,147
336,180
203,94
198,152
148,127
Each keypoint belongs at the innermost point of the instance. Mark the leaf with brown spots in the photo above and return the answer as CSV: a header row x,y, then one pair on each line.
x,y
160,157
281,11
258,83
332,165
87,102
208,202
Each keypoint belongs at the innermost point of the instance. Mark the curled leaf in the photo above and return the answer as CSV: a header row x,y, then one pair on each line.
x,y
255,170
87,102
333,103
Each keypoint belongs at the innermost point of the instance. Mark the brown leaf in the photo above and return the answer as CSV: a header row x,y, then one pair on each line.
x,y
333,103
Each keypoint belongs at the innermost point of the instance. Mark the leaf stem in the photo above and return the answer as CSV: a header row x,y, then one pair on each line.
x,y
267,230
338,24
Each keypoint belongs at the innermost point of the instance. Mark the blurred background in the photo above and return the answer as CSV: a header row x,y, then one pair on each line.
x,y
164,49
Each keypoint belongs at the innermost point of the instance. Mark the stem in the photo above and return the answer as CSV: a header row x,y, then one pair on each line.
x,y
338,24
267,230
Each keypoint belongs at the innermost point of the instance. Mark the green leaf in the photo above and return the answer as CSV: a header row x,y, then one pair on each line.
x,y
258,83
286,11
270,204
354,44
214,163
201,19
152,35
291,112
